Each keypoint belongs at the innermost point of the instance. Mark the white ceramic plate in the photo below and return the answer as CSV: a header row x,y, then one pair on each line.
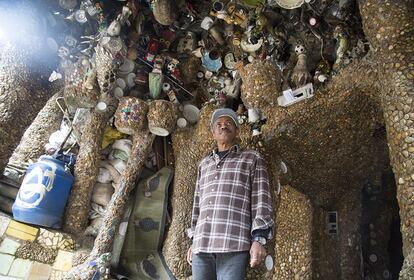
x,y
269,262
127,66
290,4
191,113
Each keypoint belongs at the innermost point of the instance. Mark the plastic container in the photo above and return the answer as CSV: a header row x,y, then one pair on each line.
x,y
43,194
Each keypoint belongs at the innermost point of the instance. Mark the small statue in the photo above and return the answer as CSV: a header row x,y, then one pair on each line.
x,y
322,72
173,70
114,28
124,16
300,75
211,60
342,45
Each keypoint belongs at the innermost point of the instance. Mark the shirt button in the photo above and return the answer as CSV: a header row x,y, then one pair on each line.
x,y
209,202
208,217
218,166
215,177
212,190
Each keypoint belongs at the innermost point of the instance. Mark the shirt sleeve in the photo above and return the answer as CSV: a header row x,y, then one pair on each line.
x,y
196,207
261,200
261,233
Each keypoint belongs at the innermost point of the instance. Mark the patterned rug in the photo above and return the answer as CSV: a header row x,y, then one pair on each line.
x,y
141,254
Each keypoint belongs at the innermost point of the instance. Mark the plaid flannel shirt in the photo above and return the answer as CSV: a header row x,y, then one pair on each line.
x,y
231,200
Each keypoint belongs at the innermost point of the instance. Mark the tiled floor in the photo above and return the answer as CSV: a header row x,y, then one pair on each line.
x,y
4,222
21,231
6,262
9,246
20,268
13,234
63,261
40,271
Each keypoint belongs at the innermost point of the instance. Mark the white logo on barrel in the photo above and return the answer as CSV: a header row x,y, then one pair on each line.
x,y
35,185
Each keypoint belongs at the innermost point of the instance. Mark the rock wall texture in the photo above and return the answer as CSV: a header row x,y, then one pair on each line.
x,y
23,92
86,169
293,249
325,257
349,212
24,85
47,121
331,144
388,26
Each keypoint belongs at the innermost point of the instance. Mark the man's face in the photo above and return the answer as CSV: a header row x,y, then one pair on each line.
x,y
225,130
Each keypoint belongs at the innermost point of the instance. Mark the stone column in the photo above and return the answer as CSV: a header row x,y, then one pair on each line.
x,y
141,147
293,252
187,156
86,169
32,144
389,28
24,85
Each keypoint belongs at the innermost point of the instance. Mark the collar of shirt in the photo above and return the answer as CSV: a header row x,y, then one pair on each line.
x,y
235,148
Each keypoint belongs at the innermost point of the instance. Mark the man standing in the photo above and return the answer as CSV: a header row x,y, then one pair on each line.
x,y
232,210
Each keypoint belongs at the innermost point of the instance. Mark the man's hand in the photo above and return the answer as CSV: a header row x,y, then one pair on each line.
x,y
257,254
190,255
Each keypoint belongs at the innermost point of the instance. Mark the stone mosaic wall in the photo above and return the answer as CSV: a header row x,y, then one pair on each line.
x,y
24,88
293,248
323,140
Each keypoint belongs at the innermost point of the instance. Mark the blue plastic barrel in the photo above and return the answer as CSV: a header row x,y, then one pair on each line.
x,y
43,194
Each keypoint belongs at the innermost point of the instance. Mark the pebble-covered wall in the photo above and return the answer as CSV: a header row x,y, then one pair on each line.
x,y
329,143
32,144
293,249
388,26
329,137
21,97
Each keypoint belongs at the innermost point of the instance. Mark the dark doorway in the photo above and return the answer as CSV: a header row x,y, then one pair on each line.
x,y
380,229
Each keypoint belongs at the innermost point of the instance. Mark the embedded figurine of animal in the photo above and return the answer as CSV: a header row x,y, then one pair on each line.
x,y
300,75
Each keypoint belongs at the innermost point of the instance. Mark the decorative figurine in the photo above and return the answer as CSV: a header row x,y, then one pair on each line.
x,y
322,72
173,70
300,75
342,44
211,60
114,28
187,43
152,49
